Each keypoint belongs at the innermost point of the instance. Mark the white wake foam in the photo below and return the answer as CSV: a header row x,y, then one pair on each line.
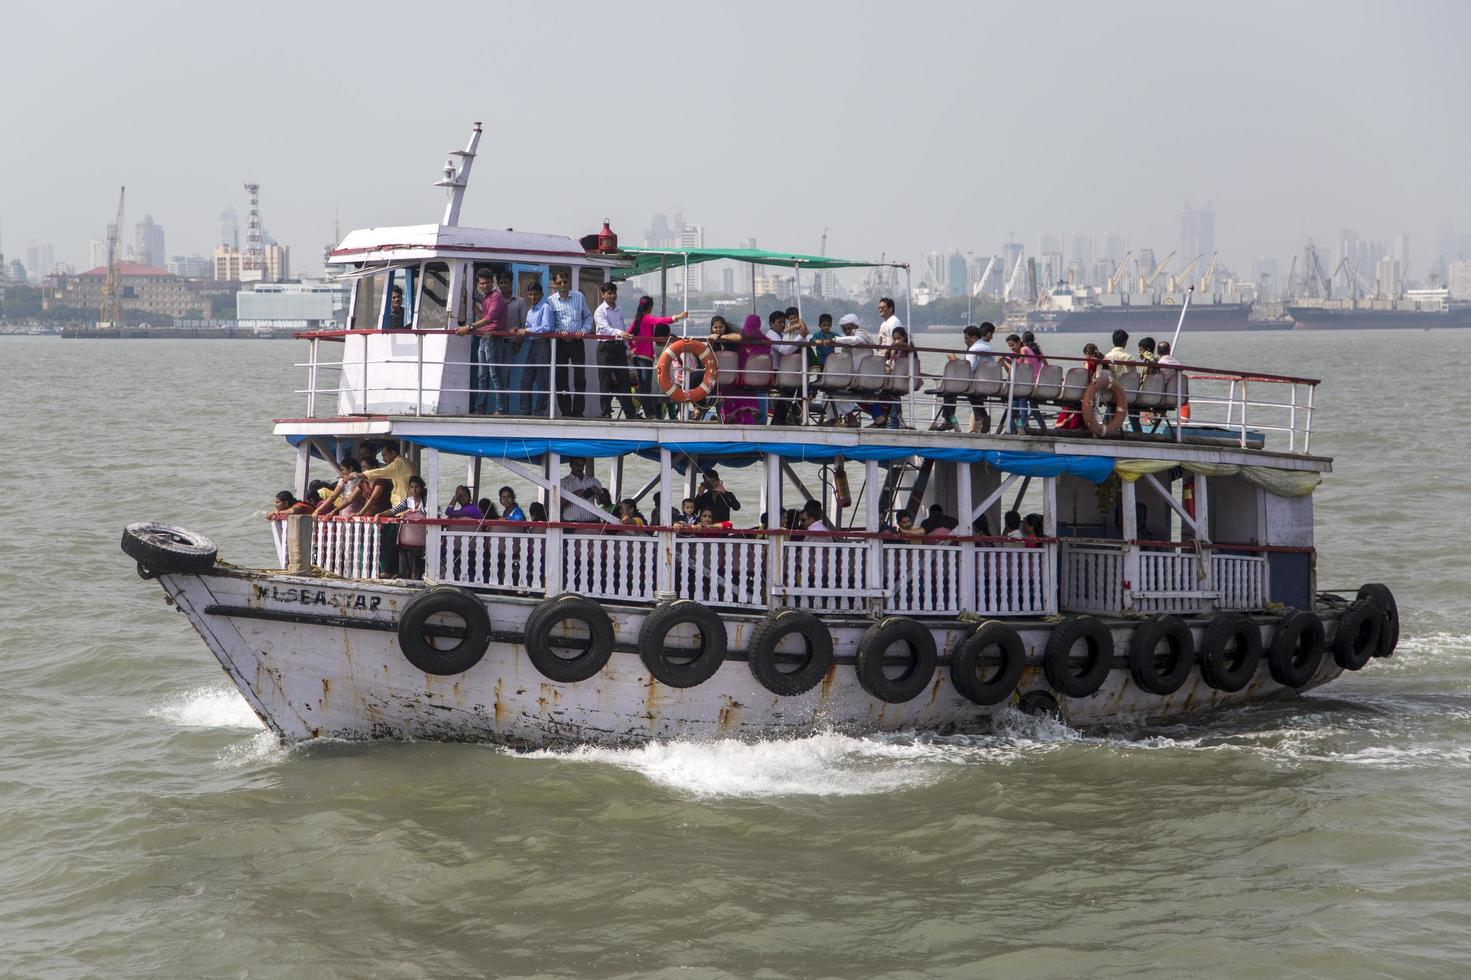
x,y
207,707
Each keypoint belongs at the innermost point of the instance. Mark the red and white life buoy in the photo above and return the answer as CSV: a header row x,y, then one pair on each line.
x,y
672,355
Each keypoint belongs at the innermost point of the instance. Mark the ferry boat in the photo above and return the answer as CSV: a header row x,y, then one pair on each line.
x,y
1168,570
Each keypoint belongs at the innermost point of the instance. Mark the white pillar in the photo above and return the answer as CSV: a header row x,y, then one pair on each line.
x,y
429,470
303,469
664,573
963,507
1049,528
874,553
772,464
554,558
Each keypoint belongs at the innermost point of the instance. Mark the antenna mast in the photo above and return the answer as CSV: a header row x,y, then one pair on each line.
x,y
111,310
255,251
456,178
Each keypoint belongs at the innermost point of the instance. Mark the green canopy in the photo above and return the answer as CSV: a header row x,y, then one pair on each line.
x,y
646,260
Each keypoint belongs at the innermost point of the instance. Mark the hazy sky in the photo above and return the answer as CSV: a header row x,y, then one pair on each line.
x,y
900,126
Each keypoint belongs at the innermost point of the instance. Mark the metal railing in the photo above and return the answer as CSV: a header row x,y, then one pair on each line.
x,y
1156,578
1249,409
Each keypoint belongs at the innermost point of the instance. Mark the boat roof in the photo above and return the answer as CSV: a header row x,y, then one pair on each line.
x,y
414,243
646,260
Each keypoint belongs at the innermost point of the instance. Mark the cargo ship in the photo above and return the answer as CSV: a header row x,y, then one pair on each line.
x,y
1094,312
1418,309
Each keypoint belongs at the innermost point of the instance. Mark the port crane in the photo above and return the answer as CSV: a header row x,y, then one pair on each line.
x,y
1116,280
1164,264
980,283
1016,271
1182,280
1210,271
111,310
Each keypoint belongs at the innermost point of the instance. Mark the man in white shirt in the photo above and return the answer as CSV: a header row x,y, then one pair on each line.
x,y
612,355
573,320
782,329
1120,350
890,321
578,482
813,517
846,413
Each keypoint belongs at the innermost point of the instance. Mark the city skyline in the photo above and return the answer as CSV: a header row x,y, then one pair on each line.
x,y
890,166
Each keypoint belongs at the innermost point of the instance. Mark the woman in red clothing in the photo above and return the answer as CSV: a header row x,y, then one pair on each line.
x,y
641,354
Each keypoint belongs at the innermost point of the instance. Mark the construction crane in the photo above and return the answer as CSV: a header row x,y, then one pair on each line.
x,y
1179,282
1355,283
1115,280
1016,271
1210,271
1317,280
1290,291
981,282
111,310
1158,271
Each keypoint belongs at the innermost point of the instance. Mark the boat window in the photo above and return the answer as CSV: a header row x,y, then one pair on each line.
x,y
367,302
433,296
403,282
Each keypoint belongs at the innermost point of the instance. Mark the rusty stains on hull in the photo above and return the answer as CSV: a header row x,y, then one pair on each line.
x,y
500,707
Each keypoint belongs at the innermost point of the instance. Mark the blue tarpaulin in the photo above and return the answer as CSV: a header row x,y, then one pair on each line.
x,y
1094,468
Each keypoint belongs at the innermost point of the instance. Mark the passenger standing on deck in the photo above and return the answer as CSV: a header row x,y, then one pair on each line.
x,y
398,471
900,360
1030,352
612,355
781,328
540,323
890,321
739,405
714,497
641,354
575,319
578,483
513,347
485,398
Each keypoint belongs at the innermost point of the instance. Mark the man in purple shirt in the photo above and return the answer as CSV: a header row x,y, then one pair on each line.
x,y
485,395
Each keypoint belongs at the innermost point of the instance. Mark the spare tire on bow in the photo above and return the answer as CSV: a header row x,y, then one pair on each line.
x,y
1356,638
682,666
415,631
1078,676
794,673
164,548
1389,627
988,664
591,653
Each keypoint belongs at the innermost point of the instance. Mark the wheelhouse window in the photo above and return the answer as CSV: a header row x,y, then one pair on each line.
x,y
433,306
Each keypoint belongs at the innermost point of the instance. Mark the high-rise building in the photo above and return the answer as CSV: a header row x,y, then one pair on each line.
x,y
148,243
40,259
233,265
693,236
660,234
958,281
17,271
1264,275
1197,232
230,228
727,280
1400,249
191,266
1458,279
1387,275
1115,247
1082,258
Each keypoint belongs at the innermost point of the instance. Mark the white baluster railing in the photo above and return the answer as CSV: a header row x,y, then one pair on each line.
x,y
1175,582
510,561
825,575
610,566
922,579
1011,581
1240,581
721,571
1092,578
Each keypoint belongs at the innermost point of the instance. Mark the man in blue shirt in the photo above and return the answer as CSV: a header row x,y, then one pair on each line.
x,y
540,322
573,320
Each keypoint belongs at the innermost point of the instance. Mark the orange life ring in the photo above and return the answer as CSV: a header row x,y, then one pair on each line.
x,y
665,370
1104,430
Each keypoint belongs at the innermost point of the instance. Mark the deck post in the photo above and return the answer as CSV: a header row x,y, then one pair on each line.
x,y
1205,577
552,462
873,573
303,469
968,549
1049,528
1129,522
664,573
429,470
773,464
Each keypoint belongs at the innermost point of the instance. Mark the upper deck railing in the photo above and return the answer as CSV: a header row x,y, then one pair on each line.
x,y
420,372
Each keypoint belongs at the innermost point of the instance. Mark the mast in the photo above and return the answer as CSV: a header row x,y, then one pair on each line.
x,y
456,178
111,310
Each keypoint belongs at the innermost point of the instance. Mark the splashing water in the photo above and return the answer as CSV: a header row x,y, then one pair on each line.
x,y
207,707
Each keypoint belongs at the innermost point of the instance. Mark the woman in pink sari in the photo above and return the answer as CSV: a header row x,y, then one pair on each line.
x,y
738,406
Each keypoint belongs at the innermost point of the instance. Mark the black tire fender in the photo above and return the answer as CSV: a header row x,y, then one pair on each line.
x,y
1356,637
1161,672
1297,648
1230,652
1389,629
1039,704
973,654
1078,677
164,548
765,661
873,650
414,631
593,656
682,667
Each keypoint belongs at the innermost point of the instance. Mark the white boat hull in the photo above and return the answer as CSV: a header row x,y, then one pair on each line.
x,y
320,659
